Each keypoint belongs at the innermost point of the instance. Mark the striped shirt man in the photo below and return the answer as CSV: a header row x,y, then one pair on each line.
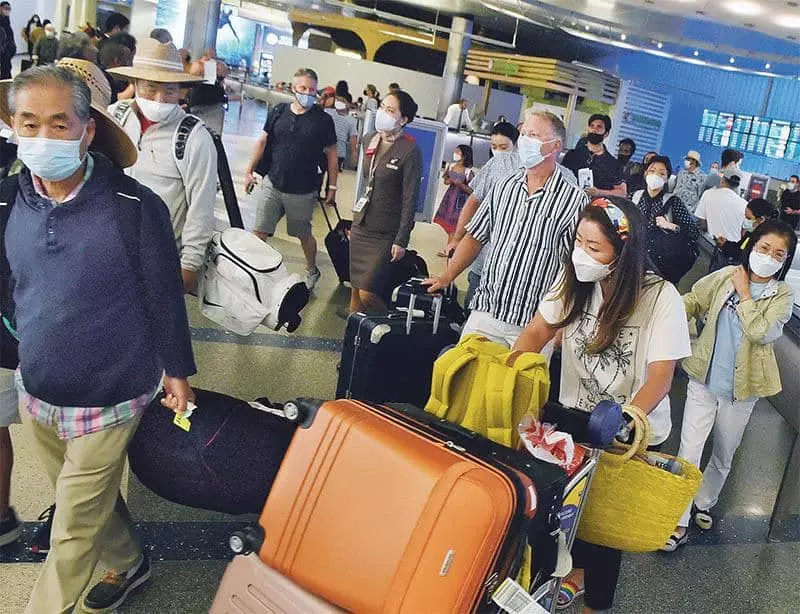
x,y
530,236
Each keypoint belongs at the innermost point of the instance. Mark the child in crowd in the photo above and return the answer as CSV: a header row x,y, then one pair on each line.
x,y
624,329
457,177
733,360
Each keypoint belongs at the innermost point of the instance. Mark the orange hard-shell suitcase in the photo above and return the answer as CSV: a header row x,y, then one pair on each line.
x,y
251,587
391,510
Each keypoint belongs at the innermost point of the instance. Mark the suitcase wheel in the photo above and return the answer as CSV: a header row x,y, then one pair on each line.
x,y
605,422
247,540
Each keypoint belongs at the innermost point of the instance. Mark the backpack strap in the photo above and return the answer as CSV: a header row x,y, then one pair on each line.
x,y
123,109
445,377
181,137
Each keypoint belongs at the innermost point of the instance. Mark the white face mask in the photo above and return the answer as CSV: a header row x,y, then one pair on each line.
x,y
51,159
687,164
340,106
764,265
385,122
456,157
154,111
793,187
749,225
655,182
587,268
530,151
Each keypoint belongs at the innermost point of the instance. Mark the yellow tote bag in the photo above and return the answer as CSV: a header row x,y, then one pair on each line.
x,y
632,505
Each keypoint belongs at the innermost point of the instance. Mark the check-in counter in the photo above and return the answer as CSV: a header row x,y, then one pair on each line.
x,y
787,403
480,143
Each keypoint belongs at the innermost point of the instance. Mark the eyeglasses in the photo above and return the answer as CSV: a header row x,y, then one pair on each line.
x,y
778,255
616,216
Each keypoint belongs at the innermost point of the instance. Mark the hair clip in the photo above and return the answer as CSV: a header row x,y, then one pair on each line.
x,y
618,219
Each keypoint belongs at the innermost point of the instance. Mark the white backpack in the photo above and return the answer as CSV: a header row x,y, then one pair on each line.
x,y
245,284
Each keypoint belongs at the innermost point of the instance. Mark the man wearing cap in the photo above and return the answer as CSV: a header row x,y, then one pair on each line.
x,y
721,210
598,172
457,116
690,181
100,316
185,179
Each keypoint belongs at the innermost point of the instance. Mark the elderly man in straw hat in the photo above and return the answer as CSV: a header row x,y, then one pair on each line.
x,y
177,158
91,264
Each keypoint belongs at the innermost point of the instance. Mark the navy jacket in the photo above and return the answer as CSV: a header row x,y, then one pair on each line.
x,y
97,324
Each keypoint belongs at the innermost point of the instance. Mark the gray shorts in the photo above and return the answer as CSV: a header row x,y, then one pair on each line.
x,y
9,405
272,205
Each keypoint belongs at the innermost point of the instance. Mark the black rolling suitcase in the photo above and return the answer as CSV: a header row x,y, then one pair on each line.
x,y
390,358
337,242
226,461
426,301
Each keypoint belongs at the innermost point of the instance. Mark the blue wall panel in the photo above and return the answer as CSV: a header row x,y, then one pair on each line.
x,y
694,88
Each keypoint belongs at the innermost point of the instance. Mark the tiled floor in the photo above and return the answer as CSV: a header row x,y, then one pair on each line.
x,y
732,571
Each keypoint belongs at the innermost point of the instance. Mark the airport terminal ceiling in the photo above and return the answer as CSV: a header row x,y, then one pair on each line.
x,y
753,32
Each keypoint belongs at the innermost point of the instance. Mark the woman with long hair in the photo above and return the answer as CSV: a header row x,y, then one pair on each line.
x,y
671,230
31,32
624,329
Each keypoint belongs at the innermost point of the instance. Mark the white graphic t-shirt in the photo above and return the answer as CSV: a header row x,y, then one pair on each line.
x,y
657,330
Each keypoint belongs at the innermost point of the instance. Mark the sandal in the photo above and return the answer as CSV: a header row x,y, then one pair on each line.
x,y
570,591
675,541
702,518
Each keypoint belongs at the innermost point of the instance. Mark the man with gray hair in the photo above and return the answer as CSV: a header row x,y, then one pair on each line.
x,y
90,278
528,220
77,45
301,138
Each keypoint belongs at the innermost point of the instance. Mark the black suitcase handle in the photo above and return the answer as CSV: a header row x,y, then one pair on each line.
x,y
325,213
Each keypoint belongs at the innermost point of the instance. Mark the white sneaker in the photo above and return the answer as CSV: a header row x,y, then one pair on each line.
x,y
312,277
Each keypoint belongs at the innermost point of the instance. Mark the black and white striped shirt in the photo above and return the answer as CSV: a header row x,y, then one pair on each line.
x,y
530,236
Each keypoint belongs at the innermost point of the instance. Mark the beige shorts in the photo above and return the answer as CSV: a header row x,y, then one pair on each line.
x,y
272,205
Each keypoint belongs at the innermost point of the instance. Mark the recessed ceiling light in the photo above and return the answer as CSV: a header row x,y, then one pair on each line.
x,y
660,45
732,60
623,37
588,28
788,21
767,65
744,7
696,53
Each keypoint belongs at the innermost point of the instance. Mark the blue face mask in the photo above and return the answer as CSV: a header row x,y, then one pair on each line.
x,y
306,100
50,159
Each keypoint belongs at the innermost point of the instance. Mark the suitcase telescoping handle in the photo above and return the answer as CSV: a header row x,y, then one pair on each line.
x,y
325,213
437,312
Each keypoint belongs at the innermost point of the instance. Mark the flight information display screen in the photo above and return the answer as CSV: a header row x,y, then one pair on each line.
x,y
774,138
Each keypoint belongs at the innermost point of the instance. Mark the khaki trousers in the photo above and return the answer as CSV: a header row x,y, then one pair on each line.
x,y
91,519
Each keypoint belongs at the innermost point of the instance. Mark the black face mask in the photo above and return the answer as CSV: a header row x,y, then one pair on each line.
x,y
594,138
624,158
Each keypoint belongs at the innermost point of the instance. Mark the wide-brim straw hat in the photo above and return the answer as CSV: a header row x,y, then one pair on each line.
x,y
694,155
110,138
156,62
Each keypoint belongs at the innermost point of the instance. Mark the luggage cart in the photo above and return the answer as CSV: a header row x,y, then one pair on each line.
x,y
575,494
598,429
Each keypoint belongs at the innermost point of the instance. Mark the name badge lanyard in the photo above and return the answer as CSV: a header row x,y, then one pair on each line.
x,y
362,202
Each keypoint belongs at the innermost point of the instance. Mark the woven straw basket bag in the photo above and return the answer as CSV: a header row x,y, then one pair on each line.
x,y
632,505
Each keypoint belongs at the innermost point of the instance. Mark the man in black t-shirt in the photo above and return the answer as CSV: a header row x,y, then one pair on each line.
x,y
598,172
295,138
